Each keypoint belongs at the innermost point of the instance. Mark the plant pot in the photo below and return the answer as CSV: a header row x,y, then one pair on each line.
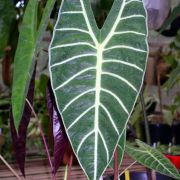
x,y
136,176
140,176
163,177
176,131
133,176
160,133
174,159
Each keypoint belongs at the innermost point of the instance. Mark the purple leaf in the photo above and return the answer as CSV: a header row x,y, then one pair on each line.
x,y
59,135
19,139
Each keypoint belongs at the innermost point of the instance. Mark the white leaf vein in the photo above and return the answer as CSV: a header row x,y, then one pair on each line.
x,y
83,140
72,58
73,44
129,32
132,16
125,47
117,98
79,117
120,78
110,117
71,12
73,29
105,145
76,98
123,62
133,1
74,76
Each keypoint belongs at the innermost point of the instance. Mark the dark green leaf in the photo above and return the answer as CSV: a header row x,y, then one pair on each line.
x,y
174,77
152,159
44,20
23,63
7,16
29,42
120,146
96,76
170,19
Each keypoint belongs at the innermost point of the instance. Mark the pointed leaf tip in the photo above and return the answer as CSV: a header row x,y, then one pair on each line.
x,y
96,76
19,137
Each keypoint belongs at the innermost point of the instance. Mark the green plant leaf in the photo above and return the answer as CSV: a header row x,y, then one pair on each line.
x,y
170,19
44,20
174,77
96,76
28,44
152,159
23,66
7,15
120,146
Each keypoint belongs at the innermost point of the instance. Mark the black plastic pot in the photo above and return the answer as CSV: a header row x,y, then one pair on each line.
x,y
133,176
163,177
176,133
141,176
160,133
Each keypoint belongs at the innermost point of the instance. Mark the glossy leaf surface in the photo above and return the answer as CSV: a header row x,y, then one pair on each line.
x,y
152,159
59,135
96,76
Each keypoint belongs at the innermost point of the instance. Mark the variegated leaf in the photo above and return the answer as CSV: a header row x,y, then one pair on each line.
x,y
96,76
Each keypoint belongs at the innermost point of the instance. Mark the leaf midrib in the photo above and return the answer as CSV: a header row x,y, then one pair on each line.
x,y
100,49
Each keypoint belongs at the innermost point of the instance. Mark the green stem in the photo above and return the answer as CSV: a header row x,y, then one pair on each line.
x,y
147,132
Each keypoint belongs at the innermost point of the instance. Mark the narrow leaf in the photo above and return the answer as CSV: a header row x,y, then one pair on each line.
x,y
170,19
28,45
96,76
19,138
174,77
23,62
44,20
152,159
59,135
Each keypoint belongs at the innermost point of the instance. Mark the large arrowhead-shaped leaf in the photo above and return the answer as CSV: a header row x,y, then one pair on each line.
x,y
96,76
152,159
